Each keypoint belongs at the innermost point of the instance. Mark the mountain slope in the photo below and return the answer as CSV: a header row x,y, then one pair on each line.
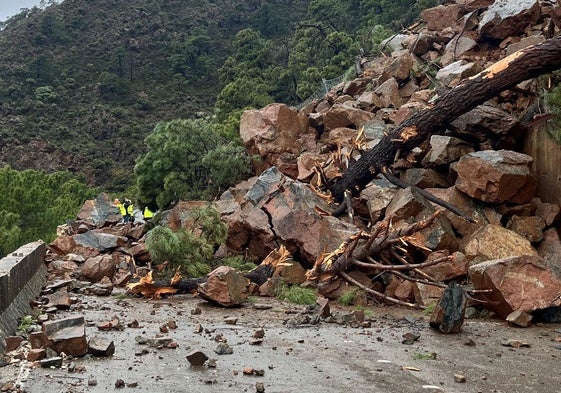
x,y
87,81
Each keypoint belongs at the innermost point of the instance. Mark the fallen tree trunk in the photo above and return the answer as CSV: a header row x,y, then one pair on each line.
x,y
506,73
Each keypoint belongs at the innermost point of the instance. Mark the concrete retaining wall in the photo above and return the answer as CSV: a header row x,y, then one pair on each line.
x,y
546,153
22,276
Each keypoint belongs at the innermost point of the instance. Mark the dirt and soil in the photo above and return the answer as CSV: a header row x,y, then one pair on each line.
x,y
295,357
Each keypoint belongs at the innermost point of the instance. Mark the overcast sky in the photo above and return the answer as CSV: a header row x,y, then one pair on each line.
x,y
11,7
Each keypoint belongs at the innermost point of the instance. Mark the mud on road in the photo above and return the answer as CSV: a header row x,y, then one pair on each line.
x,y
296,357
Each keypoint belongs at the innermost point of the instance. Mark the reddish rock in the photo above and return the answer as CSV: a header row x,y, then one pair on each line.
x,y
529,227
400,66
60,267
13,342
440,17
197,358
496,176
182,215
426,294
60,299
340,115
272,131
388,92
225,286
63,245
519,318
277,209
36,354
94,269
404,291
425,178
290,272
549,212
520,283
447,270
67,335
465,204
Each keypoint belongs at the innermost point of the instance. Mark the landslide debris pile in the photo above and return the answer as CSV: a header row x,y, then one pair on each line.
x,y
392,244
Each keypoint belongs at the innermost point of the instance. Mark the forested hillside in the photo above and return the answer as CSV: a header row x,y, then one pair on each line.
x,y
83,83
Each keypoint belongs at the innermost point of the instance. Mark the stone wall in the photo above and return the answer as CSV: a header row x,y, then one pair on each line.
x,y
22,276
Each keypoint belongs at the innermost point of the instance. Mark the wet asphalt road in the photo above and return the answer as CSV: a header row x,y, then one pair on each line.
x,y
327,357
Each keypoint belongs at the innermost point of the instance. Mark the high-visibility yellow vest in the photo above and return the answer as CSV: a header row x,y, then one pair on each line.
x,y
148,213
122,209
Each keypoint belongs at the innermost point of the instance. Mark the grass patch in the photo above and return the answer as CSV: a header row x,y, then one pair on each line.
x,y
430,308
424,356
368,313
348,297
294,294
26,322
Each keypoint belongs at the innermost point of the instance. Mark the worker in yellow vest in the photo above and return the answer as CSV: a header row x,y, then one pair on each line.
x,y
148,214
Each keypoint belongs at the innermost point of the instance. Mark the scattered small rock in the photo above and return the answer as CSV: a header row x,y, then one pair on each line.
x,y
259,333
459,378
515,344
410,338
224,349
197,358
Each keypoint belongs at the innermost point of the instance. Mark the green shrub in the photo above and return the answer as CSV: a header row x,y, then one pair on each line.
x,y
191,249
238,262
294,294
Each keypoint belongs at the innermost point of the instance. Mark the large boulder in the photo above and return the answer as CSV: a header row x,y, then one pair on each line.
x,y
506,18
225,286
519,283
495,242
279,210
491,127
273,133
99,211
496,176
94,269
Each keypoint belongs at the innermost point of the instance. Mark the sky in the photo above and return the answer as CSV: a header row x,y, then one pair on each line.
x,y
9,8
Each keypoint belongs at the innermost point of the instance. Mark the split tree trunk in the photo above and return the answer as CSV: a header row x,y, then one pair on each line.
x,y
506,73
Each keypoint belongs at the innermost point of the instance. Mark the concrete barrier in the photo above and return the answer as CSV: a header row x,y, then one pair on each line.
x,y
22,277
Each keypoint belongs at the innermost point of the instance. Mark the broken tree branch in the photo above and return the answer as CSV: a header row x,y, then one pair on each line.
x,y
527,63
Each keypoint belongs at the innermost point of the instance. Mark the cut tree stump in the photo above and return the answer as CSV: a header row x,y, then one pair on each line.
x,y
525,64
